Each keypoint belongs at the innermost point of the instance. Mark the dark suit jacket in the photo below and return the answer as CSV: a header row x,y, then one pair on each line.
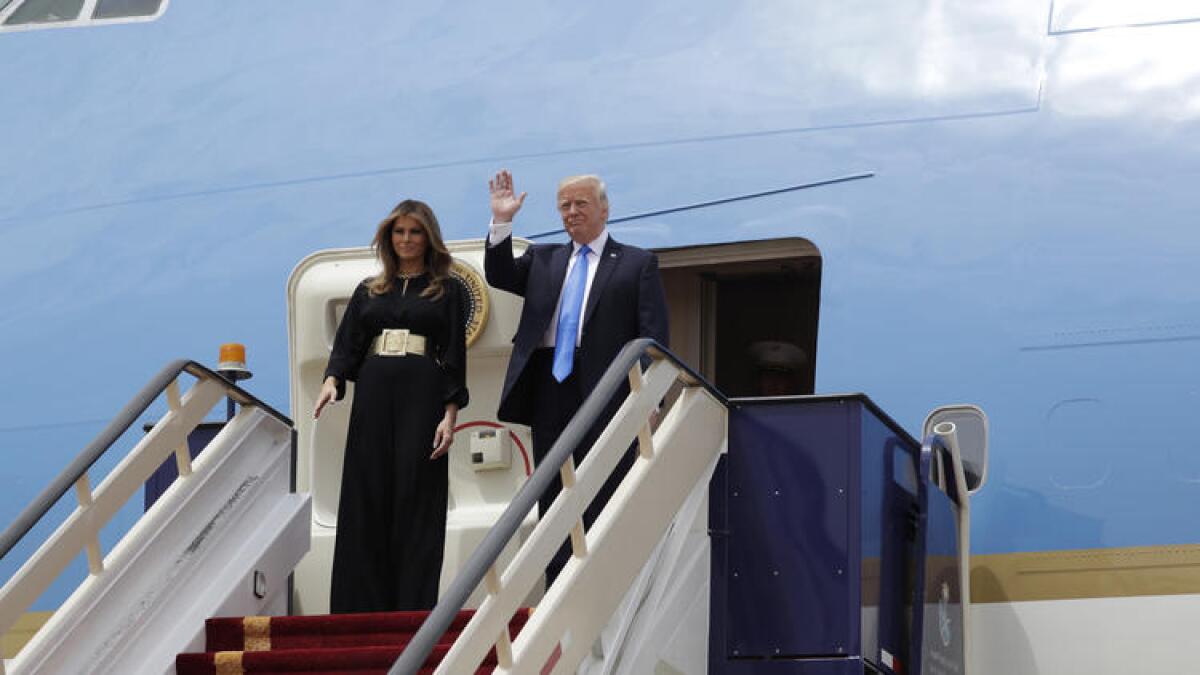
x,y
626,302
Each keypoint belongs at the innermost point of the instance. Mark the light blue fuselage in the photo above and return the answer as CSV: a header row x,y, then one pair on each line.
x,y
1027,242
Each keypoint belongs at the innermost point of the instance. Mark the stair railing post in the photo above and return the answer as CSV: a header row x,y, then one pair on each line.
x,y
183,458
645,435
504,655
83,493
578,536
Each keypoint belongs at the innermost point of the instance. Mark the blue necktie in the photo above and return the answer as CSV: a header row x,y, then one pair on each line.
x,y
569,314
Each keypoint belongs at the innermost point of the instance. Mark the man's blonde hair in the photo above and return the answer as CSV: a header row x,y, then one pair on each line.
x,y
595,181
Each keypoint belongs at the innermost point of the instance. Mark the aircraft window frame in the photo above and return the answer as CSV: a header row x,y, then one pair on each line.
x,y
87,16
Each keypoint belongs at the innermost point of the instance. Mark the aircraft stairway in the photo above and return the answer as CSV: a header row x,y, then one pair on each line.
x,y
794,535
803,535
630,558
222,539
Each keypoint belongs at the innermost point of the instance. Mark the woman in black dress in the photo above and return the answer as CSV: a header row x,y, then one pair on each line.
x,y
410,386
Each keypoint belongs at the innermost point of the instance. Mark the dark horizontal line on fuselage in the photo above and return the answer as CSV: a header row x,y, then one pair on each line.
x,y
501,159
724,200
1147,24
1110,343
40,426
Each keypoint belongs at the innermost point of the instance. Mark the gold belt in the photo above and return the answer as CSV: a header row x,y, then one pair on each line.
x,y
398,342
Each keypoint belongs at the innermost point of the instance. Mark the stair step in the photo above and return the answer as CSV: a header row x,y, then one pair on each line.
x,y
327,661
380,629
321,645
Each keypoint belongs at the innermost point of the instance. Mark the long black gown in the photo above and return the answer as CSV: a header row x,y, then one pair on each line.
x,y
392,513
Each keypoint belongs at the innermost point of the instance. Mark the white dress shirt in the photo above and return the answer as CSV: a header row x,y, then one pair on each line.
x,y
498,232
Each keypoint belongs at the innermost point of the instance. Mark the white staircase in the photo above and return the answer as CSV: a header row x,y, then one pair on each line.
x,y
222,539
650,536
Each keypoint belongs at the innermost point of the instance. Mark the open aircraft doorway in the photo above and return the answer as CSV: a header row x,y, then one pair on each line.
x,y
745,313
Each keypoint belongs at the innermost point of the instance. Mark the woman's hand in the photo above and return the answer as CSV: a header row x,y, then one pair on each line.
x,y
327,395
444,436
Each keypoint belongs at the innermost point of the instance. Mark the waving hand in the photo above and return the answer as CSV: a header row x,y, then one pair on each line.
x,y
505,202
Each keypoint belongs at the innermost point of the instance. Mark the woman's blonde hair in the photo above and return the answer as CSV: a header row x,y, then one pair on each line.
x,y
437,256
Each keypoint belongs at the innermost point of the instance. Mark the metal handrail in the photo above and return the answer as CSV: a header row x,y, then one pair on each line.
x,y
942,459
931,445
42,504
414,655
935,449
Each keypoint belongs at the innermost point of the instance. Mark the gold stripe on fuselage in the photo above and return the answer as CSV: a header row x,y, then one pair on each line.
x,y
1086,573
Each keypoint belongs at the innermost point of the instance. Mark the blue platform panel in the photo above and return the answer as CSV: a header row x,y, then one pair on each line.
x,y
814,517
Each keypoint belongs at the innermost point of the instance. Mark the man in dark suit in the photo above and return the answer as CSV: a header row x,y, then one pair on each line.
x,y
584,300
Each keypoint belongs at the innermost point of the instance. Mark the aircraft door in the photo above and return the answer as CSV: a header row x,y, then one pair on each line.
x,y
745,314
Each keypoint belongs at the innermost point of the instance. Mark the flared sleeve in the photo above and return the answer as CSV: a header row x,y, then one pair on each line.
x,y
350,344
454,351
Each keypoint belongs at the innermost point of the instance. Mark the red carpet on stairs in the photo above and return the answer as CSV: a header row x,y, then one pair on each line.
x,y
327,644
